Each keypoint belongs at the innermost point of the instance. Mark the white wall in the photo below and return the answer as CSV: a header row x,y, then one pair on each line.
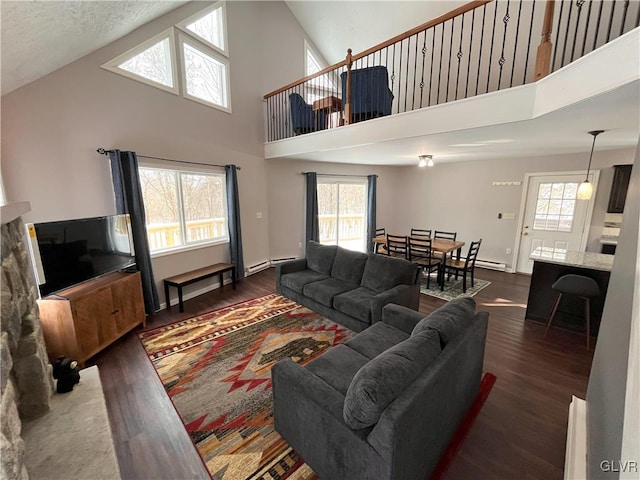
x,y
460,197
287,199
613,394
52,127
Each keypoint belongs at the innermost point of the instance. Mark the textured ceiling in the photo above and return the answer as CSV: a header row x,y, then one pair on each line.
x,y
42,36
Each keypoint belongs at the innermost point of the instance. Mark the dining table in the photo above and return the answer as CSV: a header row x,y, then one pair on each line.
x,y
438,245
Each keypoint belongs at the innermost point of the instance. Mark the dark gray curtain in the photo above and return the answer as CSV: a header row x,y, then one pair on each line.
x,y
128,194
235,233
312,231
372,181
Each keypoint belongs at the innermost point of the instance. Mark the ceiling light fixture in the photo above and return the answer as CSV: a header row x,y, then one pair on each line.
x,y
585,190
425,161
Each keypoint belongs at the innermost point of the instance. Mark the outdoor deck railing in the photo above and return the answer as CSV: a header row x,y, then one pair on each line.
x,y
480,47
167,235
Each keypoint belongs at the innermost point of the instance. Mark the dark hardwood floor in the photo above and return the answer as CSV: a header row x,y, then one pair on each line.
x,y
520,432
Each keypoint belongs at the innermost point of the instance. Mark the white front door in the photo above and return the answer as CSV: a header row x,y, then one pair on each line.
x,y
553,216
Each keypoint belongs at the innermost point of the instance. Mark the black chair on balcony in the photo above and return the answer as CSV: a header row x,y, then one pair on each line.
x,y
303,118
370,94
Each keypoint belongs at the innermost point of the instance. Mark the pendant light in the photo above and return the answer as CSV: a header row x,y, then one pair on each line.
x,y
585,190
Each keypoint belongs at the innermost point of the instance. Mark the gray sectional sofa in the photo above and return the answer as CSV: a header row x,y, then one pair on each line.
x,y
348,287
385,404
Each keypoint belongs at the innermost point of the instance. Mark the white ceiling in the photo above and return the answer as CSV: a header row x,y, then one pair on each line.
x,y
39,37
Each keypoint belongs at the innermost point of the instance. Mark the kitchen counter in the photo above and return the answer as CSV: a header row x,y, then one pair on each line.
x,y
549,265
591,260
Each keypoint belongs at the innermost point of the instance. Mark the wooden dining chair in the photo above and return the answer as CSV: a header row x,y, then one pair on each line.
x,y
380,232
421,254
397,246
419,232
439,234
445,235
464,266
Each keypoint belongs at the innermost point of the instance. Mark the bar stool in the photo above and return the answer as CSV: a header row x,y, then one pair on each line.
x,y
580,286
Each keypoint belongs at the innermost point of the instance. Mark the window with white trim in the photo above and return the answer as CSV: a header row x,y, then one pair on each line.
x,y
321,86
196,47
183,208
342,212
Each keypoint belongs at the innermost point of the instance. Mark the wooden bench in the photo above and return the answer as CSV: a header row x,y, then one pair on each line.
x,y
188,278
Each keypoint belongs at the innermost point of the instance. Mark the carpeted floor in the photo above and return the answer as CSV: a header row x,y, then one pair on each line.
x,y
216,368
452,288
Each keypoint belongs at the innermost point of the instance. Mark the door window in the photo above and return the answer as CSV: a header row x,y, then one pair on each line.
x,y
342,217
555,207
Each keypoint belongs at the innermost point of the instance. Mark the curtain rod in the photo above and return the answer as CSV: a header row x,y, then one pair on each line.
x,y
336,175
102,151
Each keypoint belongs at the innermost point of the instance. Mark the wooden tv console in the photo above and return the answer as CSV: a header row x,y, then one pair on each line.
x,y
82,320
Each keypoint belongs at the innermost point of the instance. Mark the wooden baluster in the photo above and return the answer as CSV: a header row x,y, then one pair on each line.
x,y
543,57
347,106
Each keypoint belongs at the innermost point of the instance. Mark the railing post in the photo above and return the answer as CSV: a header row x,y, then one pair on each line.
x,y
543,57
347,106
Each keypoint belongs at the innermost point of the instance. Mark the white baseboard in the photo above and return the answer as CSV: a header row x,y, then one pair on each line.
x,y
575,462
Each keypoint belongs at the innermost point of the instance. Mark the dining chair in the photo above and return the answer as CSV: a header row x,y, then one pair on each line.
x,y
421,254
397,246
445,235
380,232
464,266
439,234
418,232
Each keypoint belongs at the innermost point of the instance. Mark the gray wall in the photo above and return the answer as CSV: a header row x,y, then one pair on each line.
x,y
286,199
460,197
612,395
52,127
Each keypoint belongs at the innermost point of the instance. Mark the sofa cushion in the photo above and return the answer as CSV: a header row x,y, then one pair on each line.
x,y
337,367
297,280
383,273
449,320
383,379
349,265
324,290
320,257
355,303
376,339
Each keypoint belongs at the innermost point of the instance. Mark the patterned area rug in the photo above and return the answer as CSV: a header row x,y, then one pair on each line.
x,y
216,368
452,288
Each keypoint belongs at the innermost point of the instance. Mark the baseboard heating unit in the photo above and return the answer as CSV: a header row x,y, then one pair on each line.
x,y
258,267
502,267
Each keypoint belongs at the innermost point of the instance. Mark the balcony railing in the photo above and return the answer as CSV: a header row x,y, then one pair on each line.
x,y
351,230
164,236
480,47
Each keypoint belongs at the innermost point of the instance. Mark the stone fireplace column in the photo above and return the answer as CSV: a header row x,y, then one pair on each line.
x,y
26,381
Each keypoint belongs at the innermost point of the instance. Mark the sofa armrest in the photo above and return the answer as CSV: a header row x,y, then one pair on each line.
x,y
400,317
405,295
308,414
291,266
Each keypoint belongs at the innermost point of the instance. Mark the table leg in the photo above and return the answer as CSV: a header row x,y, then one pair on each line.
x,y
166,295
444,271
180,302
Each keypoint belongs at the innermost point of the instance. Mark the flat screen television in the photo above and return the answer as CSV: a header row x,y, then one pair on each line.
x,y
70,252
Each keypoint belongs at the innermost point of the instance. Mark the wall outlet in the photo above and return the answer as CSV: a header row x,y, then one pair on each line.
x,y
508,251
299,244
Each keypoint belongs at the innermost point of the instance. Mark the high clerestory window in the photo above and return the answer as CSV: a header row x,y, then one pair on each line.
x,y
189,59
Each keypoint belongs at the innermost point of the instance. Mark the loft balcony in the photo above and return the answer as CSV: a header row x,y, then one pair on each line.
x,y
506,77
